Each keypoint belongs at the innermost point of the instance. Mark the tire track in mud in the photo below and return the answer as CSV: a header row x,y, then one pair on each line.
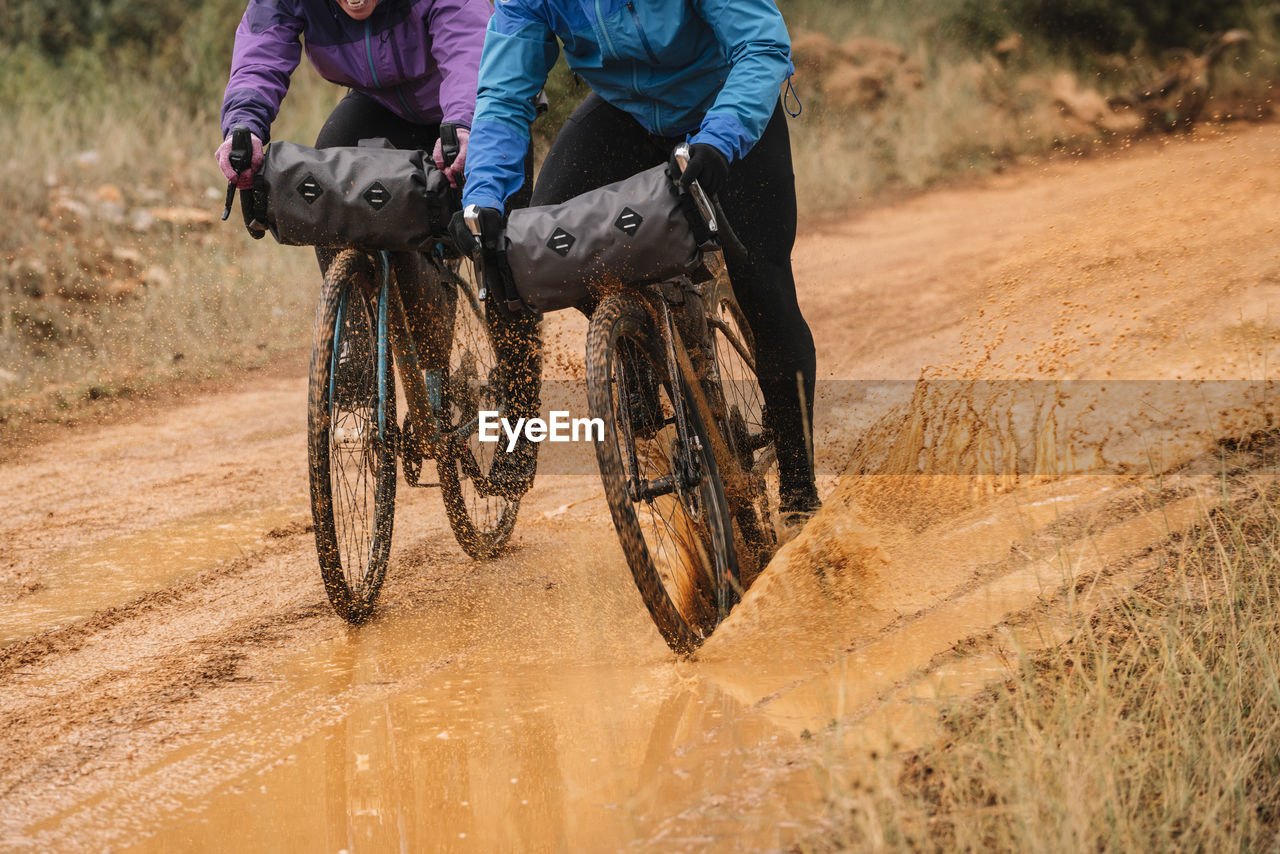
x,y
91,694
70,639
166,707
94,705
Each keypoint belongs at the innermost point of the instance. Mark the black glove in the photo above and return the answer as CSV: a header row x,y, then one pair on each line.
x,y
707,166
491,223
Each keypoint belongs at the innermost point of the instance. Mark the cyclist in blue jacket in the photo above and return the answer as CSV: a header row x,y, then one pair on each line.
x,y
662,71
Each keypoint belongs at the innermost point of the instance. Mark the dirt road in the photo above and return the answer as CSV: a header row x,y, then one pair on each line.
x,y
174,680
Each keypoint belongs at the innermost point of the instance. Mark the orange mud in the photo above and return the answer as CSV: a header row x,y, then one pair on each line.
x,y
174,680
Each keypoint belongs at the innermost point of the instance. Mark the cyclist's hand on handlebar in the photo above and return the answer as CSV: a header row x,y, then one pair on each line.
x,y
244,180
707,165
490,223
453,171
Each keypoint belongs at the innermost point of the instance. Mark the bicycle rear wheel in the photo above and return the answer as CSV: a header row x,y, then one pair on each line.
x,y
482,522
750,440
663,489
351,429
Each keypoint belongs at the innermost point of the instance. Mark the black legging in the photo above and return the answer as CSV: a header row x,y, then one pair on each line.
x,y
600,144
516,338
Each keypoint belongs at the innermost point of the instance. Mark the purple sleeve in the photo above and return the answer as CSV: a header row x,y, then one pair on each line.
x,y
267,50
457,37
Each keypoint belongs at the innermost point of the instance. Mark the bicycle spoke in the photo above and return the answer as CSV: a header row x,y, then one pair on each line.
x,y
355,444
746,431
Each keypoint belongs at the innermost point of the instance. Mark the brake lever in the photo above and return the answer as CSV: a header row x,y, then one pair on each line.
x,y
231,197
471,216
241,157
449,144
495,275
700,197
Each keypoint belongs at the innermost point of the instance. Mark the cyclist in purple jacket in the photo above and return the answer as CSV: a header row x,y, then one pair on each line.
x,y
410,65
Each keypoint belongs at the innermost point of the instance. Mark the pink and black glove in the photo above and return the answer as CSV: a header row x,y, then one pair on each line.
x,y
454,170
223,155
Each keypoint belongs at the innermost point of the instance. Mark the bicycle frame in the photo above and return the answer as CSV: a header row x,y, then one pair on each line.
x,y
423,388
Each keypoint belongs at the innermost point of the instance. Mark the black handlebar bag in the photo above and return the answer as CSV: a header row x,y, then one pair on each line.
x,y
372,195
633,232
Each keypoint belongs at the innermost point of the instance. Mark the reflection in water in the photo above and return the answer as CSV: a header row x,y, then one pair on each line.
x,y
588,759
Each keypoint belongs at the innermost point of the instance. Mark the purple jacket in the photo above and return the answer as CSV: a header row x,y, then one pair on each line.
x,y
419,58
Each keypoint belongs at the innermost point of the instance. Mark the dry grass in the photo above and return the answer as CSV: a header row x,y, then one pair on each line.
x,y
92,302
114,272
1156,728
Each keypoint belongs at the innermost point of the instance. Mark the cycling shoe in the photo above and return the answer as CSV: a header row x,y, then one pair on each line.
x,y
512,472
797,506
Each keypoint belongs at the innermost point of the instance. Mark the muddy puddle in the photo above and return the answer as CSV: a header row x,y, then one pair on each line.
x,y
596,759
78,581
436,728
874,667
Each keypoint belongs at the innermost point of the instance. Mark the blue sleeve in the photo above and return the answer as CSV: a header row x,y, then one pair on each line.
x,y
756,43
519,51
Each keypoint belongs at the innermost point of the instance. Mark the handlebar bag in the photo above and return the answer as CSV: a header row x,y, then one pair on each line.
x,y
633,232
372,195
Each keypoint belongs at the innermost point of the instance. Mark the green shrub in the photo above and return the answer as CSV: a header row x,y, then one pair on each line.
x,y
1107,26
60,26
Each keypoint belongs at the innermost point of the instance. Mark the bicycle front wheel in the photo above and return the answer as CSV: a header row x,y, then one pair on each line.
x,y
351,428
661,482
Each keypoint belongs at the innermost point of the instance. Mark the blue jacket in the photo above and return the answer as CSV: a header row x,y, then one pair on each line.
x,y
711,68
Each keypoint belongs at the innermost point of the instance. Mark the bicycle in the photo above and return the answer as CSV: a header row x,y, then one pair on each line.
x,y
363,340
689,467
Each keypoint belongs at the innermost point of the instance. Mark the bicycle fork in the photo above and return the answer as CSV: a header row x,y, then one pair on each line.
x,y
340,343
679,364
685,475
687,464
